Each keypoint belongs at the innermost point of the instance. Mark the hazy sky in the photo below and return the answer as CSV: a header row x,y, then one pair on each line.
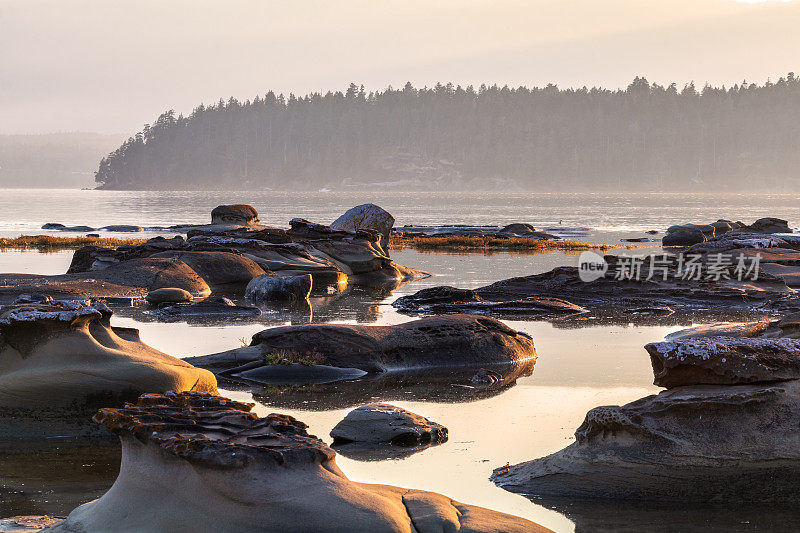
x,y
111,66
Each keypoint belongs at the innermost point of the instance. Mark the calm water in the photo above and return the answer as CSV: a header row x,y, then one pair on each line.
x,y
578,367
25,210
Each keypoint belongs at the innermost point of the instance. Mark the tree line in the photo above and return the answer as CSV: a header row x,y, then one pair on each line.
x,y
645,137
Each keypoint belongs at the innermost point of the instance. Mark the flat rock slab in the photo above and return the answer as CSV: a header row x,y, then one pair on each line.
x,y
724,360
384,423
445,299
789,274
447,342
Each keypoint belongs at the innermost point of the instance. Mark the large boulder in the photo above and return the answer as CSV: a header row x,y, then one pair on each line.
x,y
359,254
289,289
226,469
218,268
367,216
381,423
769,225
127,279
65,356
123,228
701,443
524,231
683,237
705,229
234,215
446,342
724,360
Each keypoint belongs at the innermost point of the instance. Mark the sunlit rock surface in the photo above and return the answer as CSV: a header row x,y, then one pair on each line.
x,y
726,430
724,361
431,343
367,216
702,443
65,357
444,300
225,469
134,278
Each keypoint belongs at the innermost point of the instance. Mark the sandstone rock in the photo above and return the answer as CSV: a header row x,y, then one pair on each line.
x,y
438,342
769,225
234,215
218,268
721,329
359,254
378,423
683,237
131,279
62,227
445,299
704,443
123,228
64,356
367,216
724,360
705,229
789,274
721,227
524,231
226,469
290,289
208,308
608,292
169,295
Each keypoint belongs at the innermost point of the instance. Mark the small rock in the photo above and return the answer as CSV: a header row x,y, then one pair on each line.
x,y
239,214
123,228
291,289
170,295
683,237
384,423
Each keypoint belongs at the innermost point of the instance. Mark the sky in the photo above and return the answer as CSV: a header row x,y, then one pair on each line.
x,y
111,66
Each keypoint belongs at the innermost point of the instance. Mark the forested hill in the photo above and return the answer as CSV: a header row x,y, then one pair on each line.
x,y
647,137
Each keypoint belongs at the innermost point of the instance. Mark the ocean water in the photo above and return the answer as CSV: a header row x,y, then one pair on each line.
x,y
25,210
578,367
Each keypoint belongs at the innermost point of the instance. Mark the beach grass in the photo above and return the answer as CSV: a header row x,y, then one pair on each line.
x,y
49,243
460,243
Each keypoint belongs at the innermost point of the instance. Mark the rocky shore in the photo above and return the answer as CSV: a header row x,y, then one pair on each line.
x,y
725,430
227,469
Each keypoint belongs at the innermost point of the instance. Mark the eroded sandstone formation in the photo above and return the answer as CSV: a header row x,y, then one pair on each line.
x,y
453,341
60,356
226,469
725,430
240,250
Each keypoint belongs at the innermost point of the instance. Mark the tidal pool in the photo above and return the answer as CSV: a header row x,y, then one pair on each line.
x,y
583,363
